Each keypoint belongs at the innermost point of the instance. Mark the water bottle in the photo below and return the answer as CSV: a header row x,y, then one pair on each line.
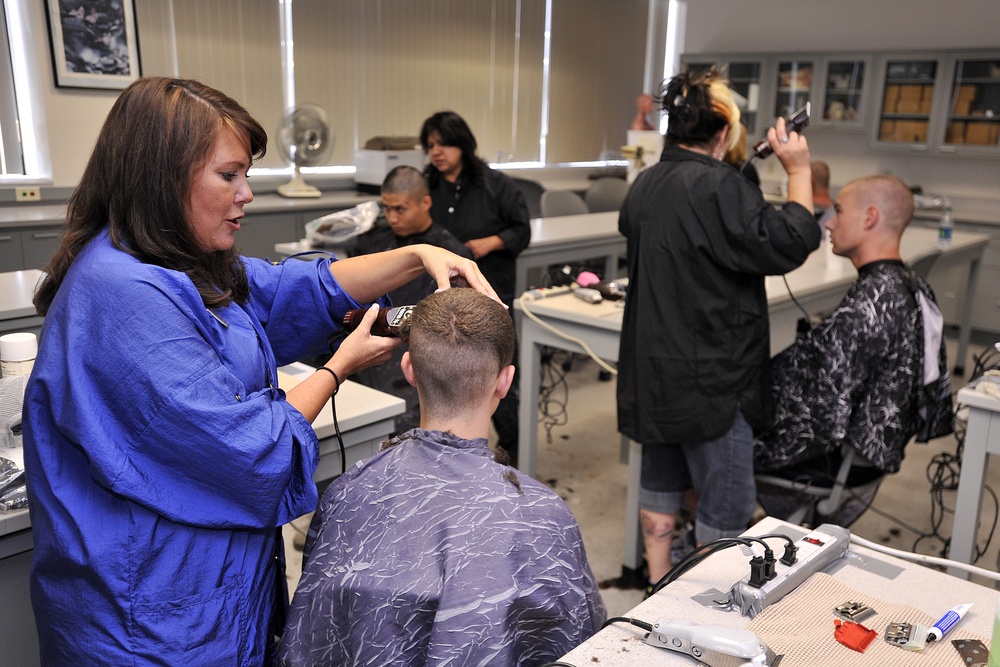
x,y
944,229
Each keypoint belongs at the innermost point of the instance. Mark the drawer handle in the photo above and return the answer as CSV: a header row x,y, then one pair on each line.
x,y
46,235
6,238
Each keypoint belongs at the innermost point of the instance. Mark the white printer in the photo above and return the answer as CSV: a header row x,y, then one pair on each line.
x,y
381,155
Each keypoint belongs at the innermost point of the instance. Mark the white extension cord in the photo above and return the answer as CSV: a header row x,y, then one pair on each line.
x,y
921,558
531,295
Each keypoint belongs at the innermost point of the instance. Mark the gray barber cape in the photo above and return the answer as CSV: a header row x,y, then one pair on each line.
x,y
432,553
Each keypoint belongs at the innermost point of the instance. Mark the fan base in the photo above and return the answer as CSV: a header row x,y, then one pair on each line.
x,y
298,189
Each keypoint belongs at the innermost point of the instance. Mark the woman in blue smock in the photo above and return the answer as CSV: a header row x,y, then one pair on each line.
x,y
160,455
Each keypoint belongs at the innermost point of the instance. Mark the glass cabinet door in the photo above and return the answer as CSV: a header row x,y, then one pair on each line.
x,y
906,101
744,80
794,84
843,92
974,111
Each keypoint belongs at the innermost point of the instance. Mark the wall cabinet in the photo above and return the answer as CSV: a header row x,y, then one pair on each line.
x,y
940,103
845,92
745,79
937,102
839,88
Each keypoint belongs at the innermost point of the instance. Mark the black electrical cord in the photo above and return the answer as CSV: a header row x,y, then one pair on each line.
x,y
695,557
553,412
796,301
333,408
648,627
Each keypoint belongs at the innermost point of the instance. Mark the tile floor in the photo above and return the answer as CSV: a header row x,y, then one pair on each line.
x,y
581,462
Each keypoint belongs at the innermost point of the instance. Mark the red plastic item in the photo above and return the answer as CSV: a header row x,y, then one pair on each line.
x,y
854,635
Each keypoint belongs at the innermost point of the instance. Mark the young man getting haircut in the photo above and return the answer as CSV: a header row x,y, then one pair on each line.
x,y
431,552
406,205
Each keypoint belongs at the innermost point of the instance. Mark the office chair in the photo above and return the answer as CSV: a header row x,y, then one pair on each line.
x,y
605,194
807,495
562,202
532,191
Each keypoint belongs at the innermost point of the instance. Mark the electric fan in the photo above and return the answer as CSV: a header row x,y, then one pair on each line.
x,y
304,139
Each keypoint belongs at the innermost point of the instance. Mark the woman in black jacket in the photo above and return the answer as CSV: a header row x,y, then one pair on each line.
x,y
693,375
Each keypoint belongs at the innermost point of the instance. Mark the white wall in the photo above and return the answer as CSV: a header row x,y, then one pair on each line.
x,y
841,25
74,117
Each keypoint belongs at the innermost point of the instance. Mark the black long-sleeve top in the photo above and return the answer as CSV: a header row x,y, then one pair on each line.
x,y
471,211
695,338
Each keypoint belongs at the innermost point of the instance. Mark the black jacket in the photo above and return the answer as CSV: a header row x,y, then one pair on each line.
x,y
478,211
695,339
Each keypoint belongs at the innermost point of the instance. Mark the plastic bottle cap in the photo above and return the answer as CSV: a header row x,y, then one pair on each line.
x,y
18,347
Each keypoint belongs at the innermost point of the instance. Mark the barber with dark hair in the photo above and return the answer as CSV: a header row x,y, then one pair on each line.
x,y
693,370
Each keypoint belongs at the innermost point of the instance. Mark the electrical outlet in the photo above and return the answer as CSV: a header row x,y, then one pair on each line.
x,y
28,194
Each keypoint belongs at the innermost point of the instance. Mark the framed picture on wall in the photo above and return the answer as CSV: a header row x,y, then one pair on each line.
x,y
94,43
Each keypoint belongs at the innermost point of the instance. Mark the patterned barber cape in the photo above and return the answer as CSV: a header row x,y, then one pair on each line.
x,y
859,377
432,553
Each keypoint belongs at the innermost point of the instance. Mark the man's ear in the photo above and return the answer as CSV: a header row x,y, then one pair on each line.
x,y
504,382
872,215
407,367
425,203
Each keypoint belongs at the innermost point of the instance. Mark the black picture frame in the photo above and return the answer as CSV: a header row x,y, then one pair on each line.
x,y
95,44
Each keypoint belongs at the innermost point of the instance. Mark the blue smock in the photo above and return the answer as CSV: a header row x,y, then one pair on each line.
x,y
161,456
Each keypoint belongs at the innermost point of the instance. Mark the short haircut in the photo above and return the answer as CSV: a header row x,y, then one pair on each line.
x,y
890,194
698,105
459,342
406,180
821,173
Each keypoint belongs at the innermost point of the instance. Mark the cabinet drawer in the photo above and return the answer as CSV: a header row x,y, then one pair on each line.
x,y
260,233
10,251
39,246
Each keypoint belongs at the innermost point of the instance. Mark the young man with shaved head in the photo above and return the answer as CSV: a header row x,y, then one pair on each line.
x,y
874,373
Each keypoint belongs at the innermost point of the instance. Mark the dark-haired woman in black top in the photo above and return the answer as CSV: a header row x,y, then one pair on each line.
x,y
486,211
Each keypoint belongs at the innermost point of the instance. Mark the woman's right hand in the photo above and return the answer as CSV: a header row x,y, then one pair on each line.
x,y
793,152
791,148
361,349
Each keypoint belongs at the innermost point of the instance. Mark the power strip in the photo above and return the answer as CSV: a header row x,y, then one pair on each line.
x,y
815,552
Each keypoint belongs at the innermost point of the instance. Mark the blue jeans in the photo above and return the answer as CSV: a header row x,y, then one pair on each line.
x,y
721,472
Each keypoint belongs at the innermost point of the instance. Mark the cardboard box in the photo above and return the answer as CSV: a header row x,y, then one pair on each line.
x,y
966,93
955,133
887,131
912,131
891,99
982,134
